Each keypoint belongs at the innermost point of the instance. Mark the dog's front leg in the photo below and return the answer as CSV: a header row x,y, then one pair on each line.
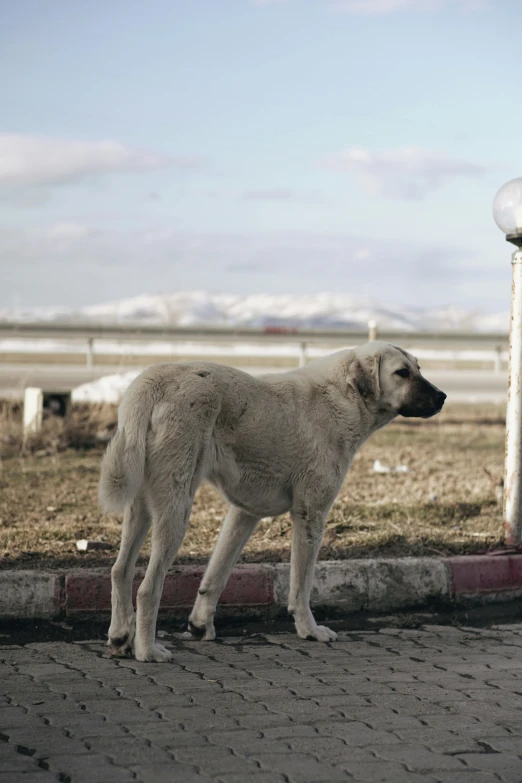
x,y
237,528
307,535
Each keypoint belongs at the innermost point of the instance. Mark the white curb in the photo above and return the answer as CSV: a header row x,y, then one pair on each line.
x,y
374,585
26,595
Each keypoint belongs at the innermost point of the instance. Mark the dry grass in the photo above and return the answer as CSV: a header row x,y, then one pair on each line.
x,y
90,426
447,503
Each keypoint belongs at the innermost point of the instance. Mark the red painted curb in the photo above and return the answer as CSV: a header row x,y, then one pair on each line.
x,y
248,585
472,574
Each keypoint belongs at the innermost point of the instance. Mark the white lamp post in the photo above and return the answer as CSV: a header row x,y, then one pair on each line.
x,y
507,212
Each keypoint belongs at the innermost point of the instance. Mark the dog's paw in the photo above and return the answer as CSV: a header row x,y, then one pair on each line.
x,y
320,633
121,638
157,653
119,646
200,633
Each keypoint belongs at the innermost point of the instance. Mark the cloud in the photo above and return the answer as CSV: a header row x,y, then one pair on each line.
x,y
404,172
273,194
189,162
376,7
379,7
74,263
34,161
281,194
243,269
67,231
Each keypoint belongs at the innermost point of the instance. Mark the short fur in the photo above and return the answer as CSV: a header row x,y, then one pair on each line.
x,y
271,444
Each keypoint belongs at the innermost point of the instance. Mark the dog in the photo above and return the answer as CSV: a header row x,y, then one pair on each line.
x,y
270,444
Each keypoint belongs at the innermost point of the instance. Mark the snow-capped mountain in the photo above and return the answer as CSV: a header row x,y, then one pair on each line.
x,y
323,310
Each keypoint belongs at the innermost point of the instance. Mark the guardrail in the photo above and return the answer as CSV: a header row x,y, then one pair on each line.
x,y
494,343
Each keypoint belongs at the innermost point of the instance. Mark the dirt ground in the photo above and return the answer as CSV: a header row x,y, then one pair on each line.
x,y
448,501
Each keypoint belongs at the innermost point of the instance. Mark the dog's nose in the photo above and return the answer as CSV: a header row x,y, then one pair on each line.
x,y
441,397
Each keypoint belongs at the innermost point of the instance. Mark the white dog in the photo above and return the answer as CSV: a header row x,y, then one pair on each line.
x,y
271,444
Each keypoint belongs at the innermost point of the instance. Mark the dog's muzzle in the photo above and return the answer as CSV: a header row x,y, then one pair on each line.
x,y
425,401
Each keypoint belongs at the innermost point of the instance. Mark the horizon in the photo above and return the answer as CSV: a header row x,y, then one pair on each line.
x,y
327,310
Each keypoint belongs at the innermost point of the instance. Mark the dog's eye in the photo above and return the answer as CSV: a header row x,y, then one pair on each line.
x,y
404,373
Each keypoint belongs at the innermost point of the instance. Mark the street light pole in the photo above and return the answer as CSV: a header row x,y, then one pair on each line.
x,y
507,212
513,466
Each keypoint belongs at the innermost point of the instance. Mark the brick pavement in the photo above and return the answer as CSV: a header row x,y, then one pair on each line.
x,y
397,706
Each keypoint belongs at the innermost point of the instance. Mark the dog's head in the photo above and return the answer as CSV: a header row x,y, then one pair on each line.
x,y
389,380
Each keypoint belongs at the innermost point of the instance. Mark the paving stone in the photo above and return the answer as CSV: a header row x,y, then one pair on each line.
x,y
500,744
83,725
43,669
494,714
326,748
356,733
149,696
90,768
386,720
383,772
410,705
12,761
119,710
507,765
263,745
288,731
416,758
235,703
77,687
300,706
345,700
258,777
471,776
439,740
165,734
46,709
216,761
262,721
35,776
13,716
301,768
44,741
127,751
174,772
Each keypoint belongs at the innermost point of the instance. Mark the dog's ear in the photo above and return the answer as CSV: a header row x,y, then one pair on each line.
x,y
363,374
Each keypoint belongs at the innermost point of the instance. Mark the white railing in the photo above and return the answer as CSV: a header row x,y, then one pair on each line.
x,y
450,345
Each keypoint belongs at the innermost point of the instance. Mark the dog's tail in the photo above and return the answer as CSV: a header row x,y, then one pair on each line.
x,y
123,465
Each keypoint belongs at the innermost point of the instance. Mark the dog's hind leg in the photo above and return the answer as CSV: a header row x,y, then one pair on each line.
x,y
136,523
237,528
170,508
307,535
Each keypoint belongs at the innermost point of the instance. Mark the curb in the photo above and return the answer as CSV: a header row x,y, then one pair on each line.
x,y
373,585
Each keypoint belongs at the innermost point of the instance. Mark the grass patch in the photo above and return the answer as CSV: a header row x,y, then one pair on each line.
x,y
448,502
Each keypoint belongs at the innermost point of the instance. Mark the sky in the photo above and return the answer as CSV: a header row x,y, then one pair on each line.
x,y
257,146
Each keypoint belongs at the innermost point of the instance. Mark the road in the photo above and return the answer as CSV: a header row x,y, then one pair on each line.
x,y
435,704
460,385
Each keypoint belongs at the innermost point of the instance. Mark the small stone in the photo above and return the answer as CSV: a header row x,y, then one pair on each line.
x,y
84,546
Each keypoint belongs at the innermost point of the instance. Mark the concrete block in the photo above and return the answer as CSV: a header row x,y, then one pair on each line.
x,y
57,402
405,582
343,583
29,594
